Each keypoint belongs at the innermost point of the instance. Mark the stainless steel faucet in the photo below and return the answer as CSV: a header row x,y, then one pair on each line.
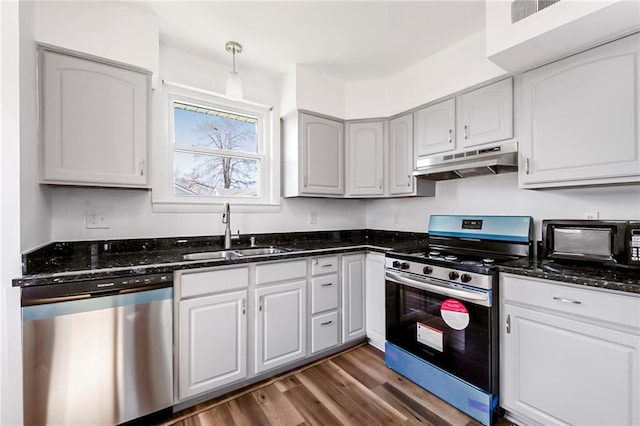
x,y
226,218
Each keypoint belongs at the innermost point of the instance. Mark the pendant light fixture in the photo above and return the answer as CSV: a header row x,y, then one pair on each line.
x,y
234,85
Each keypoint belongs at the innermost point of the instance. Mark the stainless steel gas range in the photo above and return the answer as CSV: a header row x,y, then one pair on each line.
x,y
441,308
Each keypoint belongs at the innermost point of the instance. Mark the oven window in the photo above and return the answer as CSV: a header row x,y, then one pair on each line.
x,y
451,334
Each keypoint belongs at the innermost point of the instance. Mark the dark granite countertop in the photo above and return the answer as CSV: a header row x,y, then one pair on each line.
x,y
591,276
62,262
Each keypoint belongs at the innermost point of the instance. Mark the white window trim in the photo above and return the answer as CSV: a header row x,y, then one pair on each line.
x,y
163,197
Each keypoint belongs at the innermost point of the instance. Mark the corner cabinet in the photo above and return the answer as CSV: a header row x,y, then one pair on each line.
x,y
580,118
401,180
365,158
94,121
313,156
569,355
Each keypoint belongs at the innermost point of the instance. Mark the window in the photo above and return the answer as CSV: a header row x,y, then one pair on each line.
x,y
216,150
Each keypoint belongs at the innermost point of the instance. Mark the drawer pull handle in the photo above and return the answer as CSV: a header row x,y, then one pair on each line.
x,y
328,265
326,284
563,300
326,323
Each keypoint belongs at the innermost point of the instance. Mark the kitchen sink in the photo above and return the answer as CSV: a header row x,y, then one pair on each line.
x,y
229,254
211,255
261,251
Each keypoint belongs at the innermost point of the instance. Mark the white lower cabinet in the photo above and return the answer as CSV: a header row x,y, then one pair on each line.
x,y
375,299
568,355
208,355
324,331
280,335
353,291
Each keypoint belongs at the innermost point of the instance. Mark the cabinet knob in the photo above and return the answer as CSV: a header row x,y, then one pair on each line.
x,y
508,323
141,167
526,165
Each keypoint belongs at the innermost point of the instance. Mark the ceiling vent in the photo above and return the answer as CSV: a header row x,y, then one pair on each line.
x,y
520,9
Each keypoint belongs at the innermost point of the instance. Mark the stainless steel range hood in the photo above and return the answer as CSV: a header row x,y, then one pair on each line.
x,y
499,159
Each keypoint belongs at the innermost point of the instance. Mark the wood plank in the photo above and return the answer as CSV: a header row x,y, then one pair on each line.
x,y
276,406
357,371
287,383
246,411
310,407
220,415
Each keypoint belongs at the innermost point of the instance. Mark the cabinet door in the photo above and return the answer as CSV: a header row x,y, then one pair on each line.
x,y
580,118
353,308
212,342
375,300
558,371
94,122
486,114
434,128
401,155
365,158
322,153
280,325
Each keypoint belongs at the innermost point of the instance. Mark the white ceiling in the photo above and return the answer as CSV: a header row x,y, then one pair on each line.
x,y
349,40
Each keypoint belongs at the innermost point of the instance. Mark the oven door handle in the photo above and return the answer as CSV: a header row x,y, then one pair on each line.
x,y
480,298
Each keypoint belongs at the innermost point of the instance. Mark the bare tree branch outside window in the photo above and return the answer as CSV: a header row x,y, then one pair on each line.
x,y
215,153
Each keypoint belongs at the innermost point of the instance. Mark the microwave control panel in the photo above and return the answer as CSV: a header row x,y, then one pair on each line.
x,y
634,244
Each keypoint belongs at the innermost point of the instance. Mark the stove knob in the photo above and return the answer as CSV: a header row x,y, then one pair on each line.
x,y
453,275
427,270
404,265
395,264
465,278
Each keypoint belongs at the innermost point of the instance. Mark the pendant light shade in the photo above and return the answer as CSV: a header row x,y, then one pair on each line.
x,y
234,84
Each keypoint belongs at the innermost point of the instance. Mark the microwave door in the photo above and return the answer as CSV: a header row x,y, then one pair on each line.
x,y
583,243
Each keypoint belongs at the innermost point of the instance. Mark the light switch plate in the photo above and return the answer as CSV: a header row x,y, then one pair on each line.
x,y
98,218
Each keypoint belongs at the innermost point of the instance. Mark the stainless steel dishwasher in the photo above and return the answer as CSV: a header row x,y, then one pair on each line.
x,y
97,352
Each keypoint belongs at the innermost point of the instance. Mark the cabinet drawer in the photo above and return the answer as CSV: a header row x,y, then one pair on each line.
x,y
595,304
324,331
214,281
280,271
324,265
324,293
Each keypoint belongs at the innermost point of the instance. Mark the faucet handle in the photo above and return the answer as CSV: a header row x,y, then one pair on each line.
x,y
237,236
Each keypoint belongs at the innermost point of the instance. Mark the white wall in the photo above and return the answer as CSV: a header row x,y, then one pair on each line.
x,y
10,326
303,88
499,195
450,70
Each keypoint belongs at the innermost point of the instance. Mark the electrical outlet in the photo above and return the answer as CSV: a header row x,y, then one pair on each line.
x,y
592,215
313,217
97,218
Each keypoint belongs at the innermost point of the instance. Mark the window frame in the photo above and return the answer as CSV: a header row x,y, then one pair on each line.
x,y
164,197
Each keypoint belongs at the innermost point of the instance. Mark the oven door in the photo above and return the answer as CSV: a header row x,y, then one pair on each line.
x,y
445,325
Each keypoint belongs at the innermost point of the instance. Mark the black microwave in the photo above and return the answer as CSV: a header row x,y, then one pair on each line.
x,y
608,242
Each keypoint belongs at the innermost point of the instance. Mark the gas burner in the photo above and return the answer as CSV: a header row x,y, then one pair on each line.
x,y
488,261
450,257
434,253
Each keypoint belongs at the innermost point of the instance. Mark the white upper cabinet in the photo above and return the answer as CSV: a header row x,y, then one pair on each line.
x,y
434,128
365,158
313,156
95,121
486,114
580,118
400,179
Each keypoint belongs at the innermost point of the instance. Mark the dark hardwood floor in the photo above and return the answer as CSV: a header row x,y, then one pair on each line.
x,y
350,388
